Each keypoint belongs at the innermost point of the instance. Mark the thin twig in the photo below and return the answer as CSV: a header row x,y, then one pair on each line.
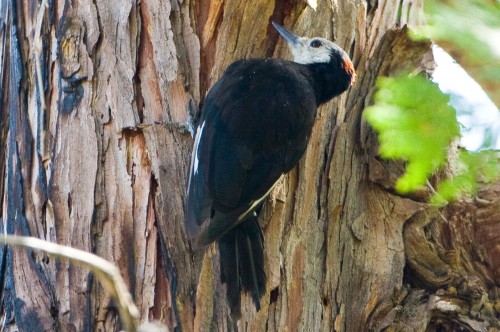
x,y
107,273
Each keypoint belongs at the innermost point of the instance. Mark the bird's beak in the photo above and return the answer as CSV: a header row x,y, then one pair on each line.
x,y
290,38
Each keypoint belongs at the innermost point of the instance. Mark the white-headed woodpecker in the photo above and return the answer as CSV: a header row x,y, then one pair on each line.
x,y
254,127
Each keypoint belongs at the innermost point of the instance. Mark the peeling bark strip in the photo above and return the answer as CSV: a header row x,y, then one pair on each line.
x,y
342,251
25,288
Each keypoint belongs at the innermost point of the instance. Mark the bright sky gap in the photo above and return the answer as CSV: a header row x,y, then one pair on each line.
x,y
477,114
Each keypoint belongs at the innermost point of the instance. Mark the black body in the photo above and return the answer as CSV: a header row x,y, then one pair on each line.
x,y
254,127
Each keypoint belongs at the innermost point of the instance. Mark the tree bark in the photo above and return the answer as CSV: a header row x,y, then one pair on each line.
x,y
97,160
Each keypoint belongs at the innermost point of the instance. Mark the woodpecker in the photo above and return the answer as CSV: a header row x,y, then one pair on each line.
x,y
254,127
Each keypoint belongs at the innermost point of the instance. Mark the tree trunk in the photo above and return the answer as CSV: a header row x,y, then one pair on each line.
x,y
96,160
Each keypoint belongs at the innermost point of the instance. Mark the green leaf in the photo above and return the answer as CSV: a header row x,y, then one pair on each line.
x,y
470,167
470,31
415,123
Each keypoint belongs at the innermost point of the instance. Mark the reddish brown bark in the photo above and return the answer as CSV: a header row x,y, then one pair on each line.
x,y
342,250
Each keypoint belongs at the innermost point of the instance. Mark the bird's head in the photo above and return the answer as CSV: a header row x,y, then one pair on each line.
x,y
316,50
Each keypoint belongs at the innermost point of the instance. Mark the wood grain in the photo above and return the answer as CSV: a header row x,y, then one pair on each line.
x,y
343,251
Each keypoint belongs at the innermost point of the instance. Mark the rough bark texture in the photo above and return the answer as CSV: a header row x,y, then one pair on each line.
x,y
102,167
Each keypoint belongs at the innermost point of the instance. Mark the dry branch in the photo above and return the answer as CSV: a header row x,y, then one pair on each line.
x,y
107,273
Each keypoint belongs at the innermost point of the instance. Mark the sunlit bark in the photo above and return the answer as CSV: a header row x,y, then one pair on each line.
x,y
103,165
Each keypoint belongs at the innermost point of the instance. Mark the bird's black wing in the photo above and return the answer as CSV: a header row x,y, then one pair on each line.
x,y
254,127
210,139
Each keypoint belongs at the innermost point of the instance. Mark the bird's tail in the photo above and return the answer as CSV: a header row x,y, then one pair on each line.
x,y
242,263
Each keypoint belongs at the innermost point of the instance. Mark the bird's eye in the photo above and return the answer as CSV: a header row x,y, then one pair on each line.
x,y
315,43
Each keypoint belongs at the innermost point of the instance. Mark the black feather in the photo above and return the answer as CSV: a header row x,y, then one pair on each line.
x,y
242,264
254,127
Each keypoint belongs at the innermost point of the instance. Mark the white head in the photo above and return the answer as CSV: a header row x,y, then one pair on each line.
x,y
332,69
311,50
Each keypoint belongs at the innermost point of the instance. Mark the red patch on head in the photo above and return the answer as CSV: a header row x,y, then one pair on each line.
x,y
349,68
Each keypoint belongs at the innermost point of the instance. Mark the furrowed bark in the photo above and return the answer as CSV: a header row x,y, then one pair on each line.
x,y
103,168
